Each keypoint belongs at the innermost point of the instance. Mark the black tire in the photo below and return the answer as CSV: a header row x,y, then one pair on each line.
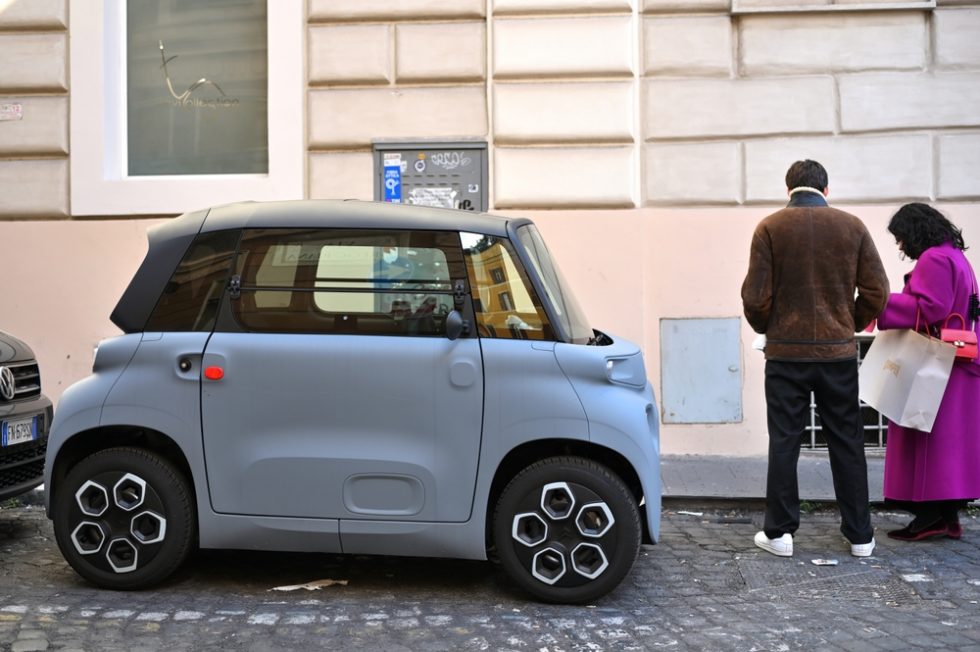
x,y
537,545
139,520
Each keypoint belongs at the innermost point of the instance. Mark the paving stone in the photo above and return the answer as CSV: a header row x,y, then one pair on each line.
x,y
704,586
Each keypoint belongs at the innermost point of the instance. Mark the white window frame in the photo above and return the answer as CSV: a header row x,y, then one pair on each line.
x,y
100,184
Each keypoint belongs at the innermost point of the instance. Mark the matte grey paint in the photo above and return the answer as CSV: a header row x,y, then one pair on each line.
x,y
296,415
622,413
527,391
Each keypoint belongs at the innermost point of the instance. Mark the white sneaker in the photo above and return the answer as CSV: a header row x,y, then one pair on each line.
x,y
863,549
781,547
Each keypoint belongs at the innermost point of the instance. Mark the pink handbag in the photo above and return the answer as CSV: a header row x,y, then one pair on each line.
x,y
964,340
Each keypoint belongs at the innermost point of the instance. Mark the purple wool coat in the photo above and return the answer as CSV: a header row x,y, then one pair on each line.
x,y
943,464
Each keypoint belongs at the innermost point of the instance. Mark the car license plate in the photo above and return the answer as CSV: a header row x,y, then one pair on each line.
x,y
18,432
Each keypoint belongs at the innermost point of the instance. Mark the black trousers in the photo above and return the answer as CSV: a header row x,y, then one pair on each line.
x,y
835,386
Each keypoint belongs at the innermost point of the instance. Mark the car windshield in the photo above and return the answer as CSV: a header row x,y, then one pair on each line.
x,y
571,319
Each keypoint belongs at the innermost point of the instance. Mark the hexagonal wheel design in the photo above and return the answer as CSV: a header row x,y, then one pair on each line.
x,y
588,560
594,520
548,565
88,538
92,499
148,527
122,555
567,529
124,517
529,529
557,500
129,492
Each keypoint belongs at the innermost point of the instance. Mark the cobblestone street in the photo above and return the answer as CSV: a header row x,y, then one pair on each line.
x,y
704,587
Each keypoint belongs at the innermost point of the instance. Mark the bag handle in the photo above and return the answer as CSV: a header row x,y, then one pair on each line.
x,y
955,314
918,318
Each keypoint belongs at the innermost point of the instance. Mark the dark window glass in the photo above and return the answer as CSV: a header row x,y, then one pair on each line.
x,y
556,289
190,299
369,282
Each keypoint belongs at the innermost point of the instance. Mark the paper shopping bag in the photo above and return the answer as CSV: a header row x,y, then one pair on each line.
x,y
904,375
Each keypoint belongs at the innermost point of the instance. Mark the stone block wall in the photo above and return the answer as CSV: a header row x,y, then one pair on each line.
x,y
564,98
415,69
586,103
34,110
628,103
886,99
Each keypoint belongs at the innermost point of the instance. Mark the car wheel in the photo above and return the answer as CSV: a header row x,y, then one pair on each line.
x,y
124,518
567,529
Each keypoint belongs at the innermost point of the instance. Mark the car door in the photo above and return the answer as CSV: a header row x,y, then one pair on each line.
x,y
339,394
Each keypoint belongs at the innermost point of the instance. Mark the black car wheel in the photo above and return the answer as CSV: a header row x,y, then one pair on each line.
x,y
124,518
567,529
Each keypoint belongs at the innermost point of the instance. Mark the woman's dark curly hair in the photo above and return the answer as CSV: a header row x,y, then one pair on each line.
x,y
920,226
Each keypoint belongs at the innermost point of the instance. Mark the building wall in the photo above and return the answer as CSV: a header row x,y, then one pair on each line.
x,y
646,137
34,110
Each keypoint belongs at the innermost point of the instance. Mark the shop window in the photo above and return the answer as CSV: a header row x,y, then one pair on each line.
x,y
196,87
184,104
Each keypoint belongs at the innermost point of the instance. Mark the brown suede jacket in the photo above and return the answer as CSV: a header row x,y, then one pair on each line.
x,y
805,264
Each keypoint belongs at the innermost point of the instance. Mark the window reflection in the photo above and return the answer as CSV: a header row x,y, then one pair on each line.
x,y
506,304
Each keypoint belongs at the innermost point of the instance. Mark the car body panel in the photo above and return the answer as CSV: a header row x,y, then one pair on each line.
x,y
80,406
370,444
528,397
343,426
622,414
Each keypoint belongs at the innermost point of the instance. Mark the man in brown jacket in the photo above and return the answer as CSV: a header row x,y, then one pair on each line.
x,y
814,279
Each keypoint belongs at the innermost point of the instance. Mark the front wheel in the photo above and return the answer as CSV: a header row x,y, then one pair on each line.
x,y
124,518
567,529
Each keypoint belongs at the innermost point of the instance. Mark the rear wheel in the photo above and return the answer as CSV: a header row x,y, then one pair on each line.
x,y
567,529
124,518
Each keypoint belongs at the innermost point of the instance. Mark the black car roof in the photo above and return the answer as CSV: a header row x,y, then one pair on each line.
x,y
331,213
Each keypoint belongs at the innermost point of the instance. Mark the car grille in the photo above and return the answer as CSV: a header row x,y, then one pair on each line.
x,y
22,465
27,380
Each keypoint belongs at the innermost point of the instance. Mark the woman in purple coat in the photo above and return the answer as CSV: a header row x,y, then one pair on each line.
x,y
934,474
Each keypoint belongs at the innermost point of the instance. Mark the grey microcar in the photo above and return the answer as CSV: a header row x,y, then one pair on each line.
x,y
356,377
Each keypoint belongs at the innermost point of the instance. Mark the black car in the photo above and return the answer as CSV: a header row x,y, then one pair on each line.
x,y
25,417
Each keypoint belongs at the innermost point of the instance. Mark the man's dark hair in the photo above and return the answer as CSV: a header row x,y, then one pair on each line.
x,y
806,173
920,226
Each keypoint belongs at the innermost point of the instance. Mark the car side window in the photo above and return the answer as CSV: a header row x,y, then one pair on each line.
x,y
369,282
507,305
190,299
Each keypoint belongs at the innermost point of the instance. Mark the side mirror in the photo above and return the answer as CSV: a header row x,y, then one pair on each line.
x,y
456,325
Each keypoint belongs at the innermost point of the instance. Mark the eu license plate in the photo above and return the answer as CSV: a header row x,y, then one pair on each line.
x,y
18,432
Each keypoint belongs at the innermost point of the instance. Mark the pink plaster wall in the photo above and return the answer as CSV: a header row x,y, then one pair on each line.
x,y
63,280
